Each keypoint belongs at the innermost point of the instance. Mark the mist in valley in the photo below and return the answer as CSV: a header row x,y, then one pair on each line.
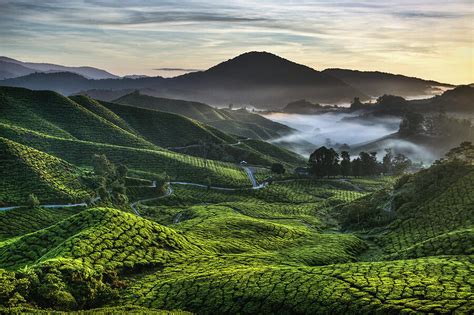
x,y
337,129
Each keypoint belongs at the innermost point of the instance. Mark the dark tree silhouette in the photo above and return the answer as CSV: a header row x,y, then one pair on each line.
x,y
411,124
346,168
324,162
278,168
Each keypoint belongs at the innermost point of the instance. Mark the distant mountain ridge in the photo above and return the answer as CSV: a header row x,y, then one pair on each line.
x,y
376,83
11,68
259,79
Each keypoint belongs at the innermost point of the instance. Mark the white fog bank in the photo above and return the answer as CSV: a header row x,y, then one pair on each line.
x,y
334,128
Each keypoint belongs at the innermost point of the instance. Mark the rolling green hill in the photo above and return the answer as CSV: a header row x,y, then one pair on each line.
x,y
151,162
77,127
107,123
51,113
238,122
429,213
166,129
26,170
210,251
373,245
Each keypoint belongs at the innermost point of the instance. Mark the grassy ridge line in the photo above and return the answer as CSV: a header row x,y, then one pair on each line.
x,y
66,115
26,170
180,167
167,129
237,122
97,108
28,119
194,110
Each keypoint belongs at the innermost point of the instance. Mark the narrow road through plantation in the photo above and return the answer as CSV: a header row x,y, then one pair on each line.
x,y
201,145
169,191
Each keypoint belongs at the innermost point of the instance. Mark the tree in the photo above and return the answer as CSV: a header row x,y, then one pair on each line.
x,y
400,164
33,201
357,104
110,179
346,167
356,166
387,162
369,164
208,183
324,162
411,124
278,168
102,165
122,171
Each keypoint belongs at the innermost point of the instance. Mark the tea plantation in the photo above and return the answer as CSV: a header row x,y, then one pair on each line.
x,y
208,241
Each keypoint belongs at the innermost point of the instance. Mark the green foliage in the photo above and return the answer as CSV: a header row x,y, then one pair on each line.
x,y
153,162
51,113
33,201
29,175
236,122
165,129
20,221
99,238
428,213
278,168
433,285
376,245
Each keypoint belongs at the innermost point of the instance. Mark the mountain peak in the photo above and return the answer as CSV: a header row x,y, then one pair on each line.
x,y
262,60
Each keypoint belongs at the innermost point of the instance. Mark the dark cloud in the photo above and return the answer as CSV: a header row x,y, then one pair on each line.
x,y
177,69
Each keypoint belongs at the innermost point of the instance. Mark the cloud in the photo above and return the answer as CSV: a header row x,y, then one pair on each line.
x,y
424,38
178,69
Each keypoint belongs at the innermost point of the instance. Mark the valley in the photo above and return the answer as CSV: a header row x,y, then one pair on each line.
x,y
145,204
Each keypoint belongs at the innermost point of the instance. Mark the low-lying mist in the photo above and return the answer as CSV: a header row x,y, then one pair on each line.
x,y
334,129
359,133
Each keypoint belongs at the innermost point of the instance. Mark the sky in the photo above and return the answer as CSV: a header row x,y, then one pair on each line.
x,y
430,39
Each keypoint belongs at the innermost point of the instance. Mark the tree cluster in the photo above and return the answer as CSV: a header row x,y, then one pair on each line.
x,y
439,125
326,162
110,180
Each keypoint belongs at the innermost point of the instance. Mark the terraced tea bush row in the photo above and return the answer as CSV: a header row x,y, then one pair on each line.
x,y
421,218
99,238
25,220
26,170
178,166
278,153
434,285
429,213
62,116
166,129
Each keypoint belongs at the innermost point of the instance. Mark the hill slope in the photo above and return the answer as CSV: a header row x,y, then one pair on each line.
x,y
26,170
238,122
429,213
54,114
261,79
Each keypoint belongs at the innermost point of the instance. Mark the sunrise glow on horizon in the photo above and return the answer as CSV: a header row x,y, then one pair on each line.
x,y
428,39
